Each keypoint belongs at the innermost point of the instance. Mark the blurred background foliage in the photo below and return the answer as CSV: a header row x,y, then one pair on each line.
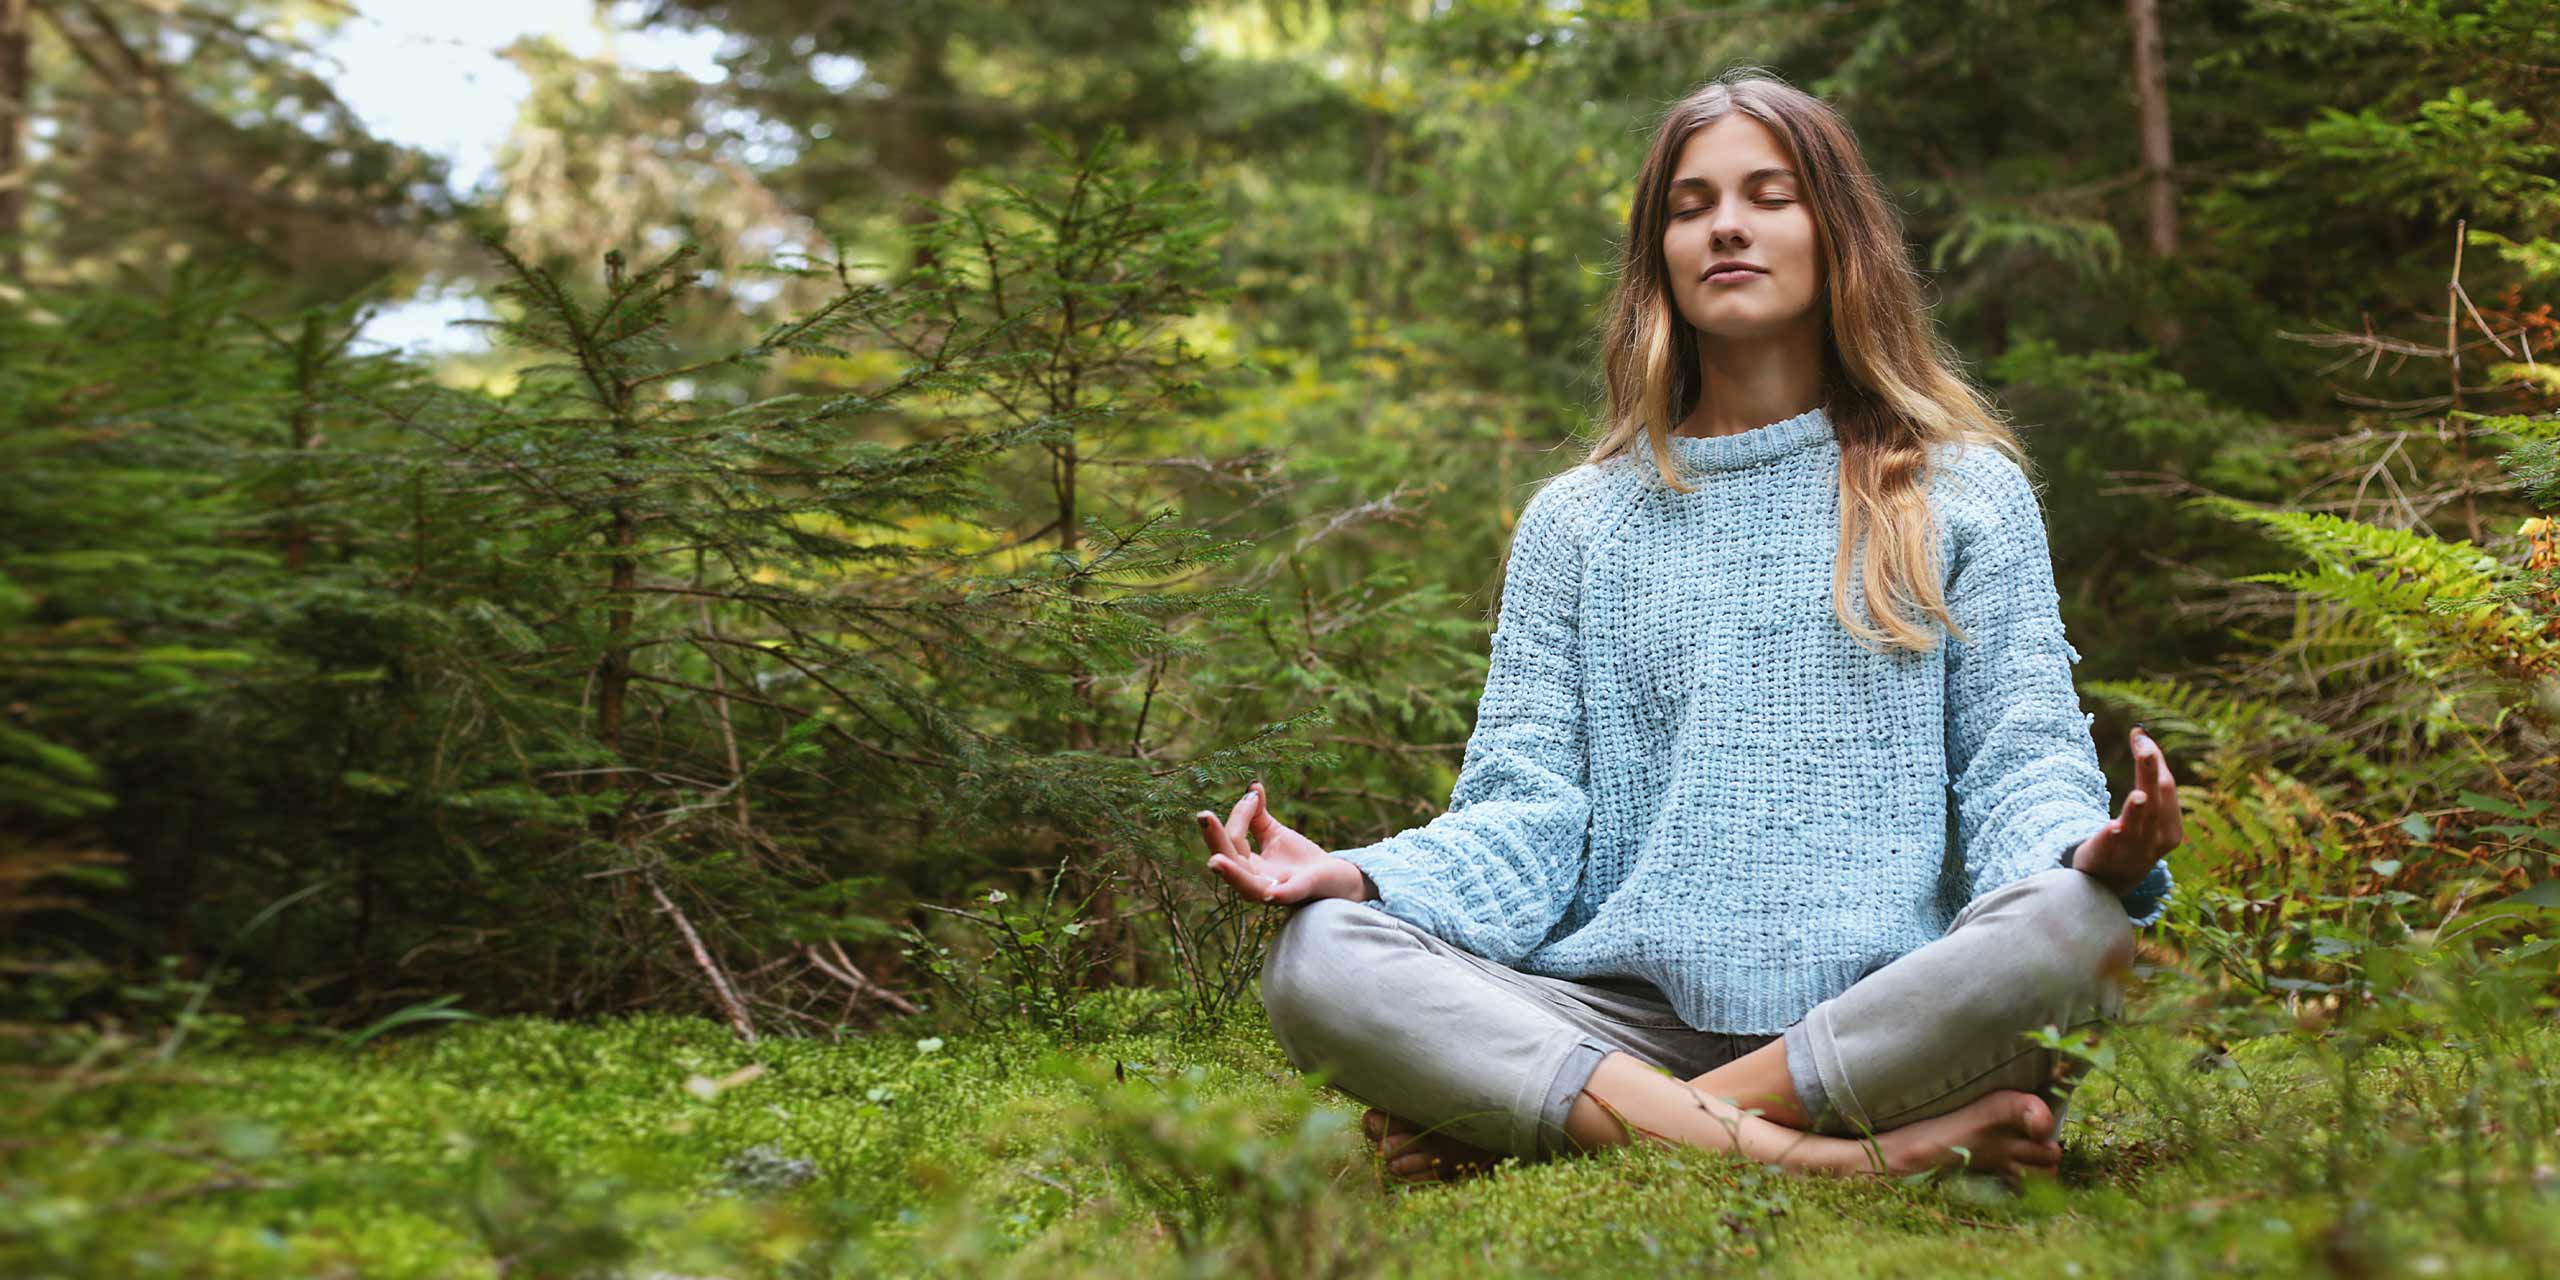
x,y
933,455
918,464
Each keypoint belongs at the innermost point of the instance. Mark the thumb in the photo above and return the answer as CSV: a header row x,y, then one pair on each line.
x,y
1260,821
1290,887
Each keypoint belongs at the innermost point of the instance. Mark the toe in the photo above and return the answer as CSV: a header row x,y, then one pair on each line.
x,y
2034,1118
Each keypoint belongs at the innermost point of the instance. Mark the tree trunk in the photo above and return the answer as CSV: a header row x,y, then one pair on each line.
x,y
17,98
2151,94
2160,192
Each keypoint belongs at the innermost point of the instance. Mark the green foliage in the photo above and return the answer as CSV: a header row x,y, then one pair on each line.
x,y
622,674
2233,736
2404,588
1244,1184
1034,959
107,527
2458,155
679,671
2412,1135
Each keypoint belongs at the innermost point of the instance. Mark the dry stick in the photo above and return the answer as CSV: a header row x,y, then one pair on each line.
x,y
702,956
2485,331
2453,378
1185,951
857,979
728,735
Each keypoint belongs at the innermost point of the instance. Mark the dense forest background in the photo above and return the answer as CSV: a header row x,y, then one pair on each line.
x,y
916,468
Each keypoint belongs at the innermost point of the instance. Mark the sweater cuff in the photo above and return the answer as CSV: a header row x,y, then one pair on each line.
x,y
1395,885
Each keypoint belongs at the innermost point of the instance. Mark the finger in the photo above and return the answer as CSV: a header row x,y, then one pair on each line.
x,y
1287,889
1260,823
2153,762
2142,817
1214,835
1231,873
2176,823
1251,885
1254,884
2146,755
1240,816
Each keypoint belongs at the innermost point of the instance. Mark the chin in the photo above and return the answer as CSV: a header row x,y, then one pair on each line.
x,y
1733,326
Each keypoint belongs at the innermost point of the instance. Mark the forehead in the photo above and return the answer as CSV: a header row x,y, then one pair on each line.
x,y
1728,151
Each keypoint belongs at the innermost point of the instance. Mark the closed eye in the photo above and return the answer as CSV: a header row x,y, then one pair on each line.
x,y
1684,214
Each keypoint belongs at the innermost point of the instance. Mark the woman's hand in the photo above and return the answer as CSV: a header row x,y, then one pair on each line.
x,y
1288,868
2124,851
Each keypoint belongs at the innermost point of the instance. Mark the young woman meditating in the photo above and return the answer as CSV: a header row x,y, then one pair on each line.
x,y
1793,612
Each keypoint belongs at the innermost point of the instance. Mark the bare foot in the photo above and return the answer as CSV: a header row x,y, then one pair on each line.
x,y
2008,1133
1413,1156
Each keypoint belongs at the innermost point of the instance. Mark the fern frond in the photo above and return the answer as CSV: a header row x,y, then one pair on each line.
x,y
2239,735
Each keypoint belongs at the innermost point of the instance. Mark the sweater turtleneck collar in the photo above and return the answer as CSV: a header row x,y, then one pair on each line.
x,y
1750,448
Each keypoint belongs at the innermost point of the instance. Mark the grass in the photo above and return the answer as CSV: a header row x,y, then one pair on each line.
x,y
2416,1144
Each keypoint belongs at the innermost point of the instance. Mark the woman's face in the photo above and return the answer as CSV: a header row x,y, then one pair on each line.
x,y
1735,197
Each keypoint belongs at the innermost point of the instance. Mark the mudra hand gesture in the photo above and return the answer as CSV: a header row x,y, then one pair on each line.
x,y
1286,868
2124,851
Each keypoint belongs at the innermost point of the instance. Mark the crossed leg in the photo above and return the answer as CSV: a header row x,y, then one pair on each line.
x,y
1920,1064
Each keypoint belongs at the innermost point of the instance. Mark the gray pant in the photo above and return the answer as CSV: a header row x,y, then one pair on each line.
x,y
1494,1057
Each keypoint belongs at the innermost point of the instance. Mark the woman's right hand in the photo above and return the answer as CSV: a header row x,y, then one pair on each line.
x,y
1288,868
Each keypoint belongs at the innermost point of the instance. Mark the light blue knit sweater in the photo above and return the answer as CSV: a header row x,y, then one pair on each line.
x,y
1684,769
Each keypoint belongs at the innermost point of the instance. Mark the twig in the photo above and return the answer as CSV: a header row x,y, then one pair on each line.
x,y
855,979
702,956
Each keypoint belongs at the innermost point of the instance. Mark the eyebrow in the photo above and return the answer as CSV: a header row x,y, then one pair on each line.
x,y
1771,171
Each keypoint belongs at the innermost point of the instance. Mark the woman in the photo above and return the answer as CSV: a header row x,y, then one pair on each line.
x,y
1696,879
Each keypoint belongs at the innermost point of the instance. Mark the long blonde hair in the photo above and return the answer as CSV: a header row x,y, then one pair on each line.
x,y
1890,385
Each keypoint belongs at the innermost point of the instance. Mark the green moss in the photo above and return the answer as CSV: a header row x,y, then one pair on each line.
x,y
530,1147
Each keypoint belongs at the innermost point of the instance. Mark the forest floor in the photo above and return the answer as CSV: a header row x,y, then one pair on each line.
x,y
658,1146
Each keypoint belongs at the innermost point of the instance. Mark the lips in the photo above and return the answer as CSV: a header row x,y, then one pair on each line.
x,y
1730,274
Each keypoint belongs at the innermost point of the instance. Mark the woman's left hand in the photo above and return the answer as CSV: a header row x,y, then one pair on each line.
x,y
2125,850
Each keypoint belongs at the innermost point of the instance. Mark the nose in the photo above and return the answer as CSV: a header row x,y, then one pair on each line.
x,y
1727,234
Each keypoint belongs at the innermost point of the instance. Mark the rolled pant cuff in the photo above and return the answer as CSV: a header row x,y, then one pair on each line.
x,y
1581,1057
1813,1048
1811,1094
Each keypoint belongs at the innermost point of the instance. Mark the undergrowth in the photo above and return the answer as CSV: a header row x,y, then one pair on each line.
x,y
2414,1136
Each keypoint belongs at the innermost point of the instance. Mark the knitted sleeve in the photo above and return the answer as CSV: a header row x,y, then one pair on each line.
x,y
1496,871
2028,789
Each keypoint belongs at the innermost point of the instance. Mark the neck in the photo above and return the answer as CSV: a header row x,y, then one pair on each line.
x,y
1748,382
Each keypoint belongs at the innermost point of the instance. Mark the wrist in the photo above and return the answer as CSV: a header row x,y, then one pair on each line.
x,y
2081,861
1350,881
